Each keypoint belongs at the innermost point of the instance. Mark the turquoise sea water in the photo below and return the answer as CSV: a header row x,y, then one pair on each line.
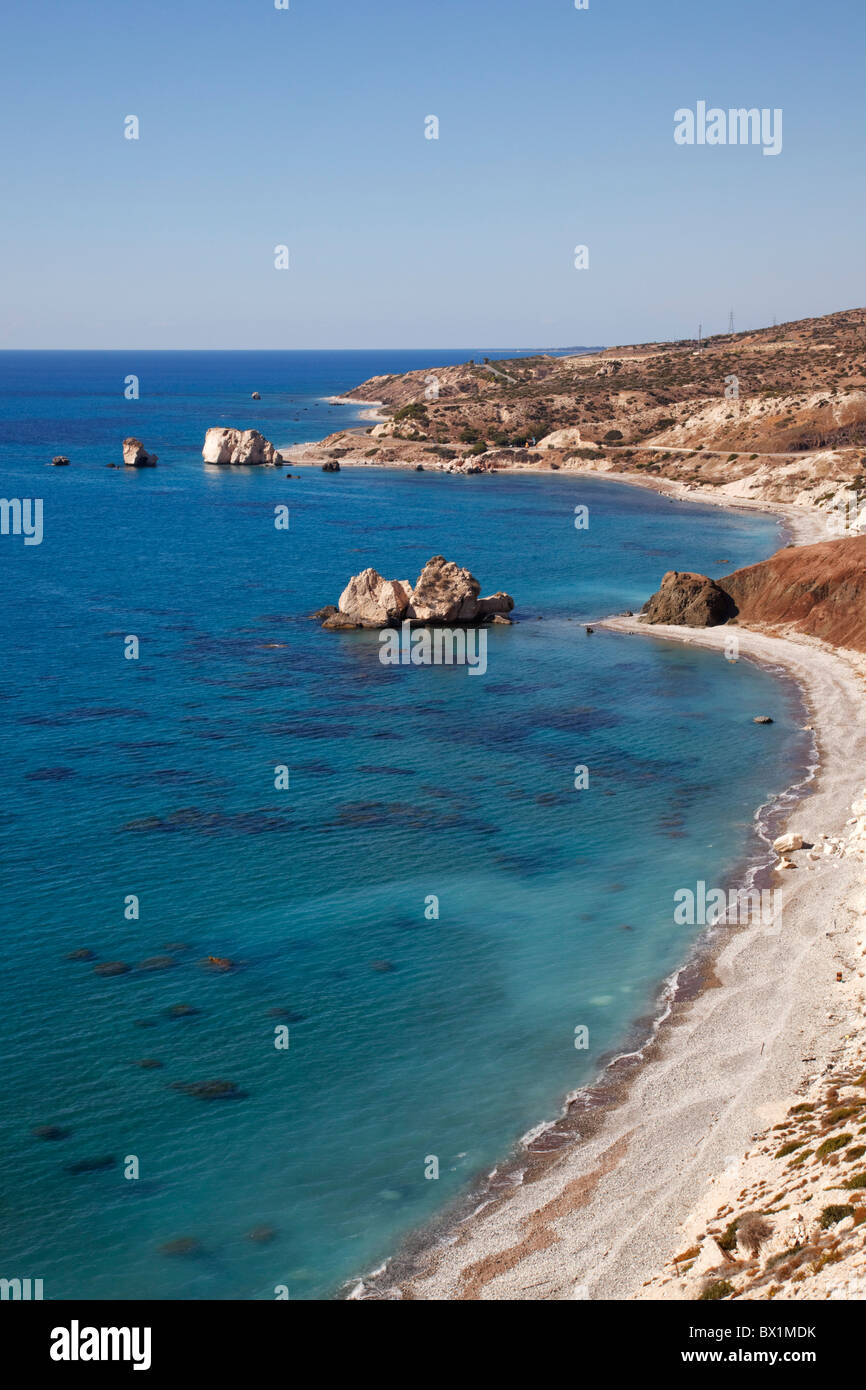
x,y
409,1037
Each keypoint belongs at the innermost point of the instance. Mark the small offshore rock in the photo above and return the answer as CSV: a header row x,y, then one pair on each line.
x,y
60,461
82,953
219,964
136,456
762,719
112,967
147,1063
255,396
332,466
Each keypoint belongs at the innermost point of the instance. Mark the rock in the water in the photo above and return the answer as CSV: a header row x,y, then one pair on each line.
x,y
83,953
368,600
136,456
112,967
220,965
332,466
689,600
762,719
444,593
255,396
227,445
786,844
147,1063
60,461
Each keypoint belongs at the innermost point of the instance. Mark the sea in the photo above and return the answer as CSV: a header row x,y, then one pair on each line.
x,y
397,912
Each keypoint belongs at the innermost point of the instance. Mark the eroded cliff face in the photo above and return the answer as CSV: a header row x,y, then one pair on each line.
x,y
816,589
820,589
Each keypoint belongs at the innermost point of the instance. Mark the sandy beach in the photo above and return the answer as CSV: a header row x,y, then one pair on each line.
x,y
605,1197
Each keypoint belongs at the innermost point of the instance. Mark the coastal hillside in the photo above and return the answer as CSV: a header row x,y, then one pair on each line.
x,y
818,590
776,415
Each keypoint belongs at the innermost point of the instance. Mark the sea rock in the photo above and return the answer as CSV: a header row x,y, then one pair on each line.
x,y
223,444
255,396
220,965
332,466
444,593
368,600
136,456
786,844
689,600
112,967
60,461
762,719
82,953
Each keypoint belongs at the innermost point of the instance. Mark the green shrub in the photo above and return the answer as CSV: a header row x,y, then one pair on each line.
x,y
830,1215
719,1288
789,1148
853,1184
830,1146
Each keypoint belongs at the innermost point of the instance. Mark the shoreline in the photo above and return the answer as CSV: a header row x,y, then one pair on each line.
x,y
606,1189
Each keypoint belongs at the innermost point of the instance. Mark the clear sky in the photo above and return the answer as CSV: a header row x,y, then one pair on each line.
x,y
306,127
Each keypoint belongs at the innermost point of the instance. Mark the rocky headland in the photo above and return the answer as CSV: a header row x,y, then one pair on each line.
x,y
774,416
817,590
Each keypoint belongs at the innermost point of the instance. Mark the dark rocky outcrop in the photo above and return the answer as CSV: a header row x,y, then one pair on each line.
x,y
689,600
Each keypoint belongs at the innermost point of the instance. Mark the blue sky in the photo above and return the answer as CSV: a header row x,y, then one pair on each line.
x,y
305,127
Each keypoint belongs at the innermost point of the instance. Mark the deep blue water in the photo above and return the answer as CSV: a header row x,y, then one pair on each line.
x,y
408,1037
